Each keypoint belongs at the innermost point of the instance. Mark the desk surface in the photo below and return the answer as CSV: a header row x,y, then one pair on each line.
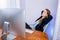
x,y
0,33
36,35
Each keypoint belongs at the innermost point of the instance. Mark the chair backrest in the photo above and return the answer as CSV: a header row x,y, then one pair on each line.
x,y
45,27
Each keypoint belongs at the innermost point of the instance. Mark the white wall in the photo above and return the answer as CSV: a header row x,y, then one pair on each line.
x,y
57,24
34,7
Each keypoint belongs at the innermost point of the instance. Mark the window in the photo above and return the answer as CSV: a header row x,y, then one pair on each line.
x,y
9,4
3,4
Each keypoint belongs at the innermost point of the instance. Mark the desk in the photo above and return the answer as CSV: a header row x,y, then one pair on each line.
x,y
36,35
0,33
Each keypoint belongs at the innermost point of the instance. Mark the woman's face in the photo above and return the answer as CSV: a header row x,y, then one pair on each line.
x,y
44,14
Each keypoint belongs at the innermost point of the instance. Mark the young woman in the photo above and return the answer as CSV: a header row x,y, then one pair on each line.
x,y
44,19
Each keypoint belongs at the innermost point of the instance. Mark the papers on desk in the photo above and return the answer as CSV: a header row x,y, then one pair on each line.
x,y
29,31
10,37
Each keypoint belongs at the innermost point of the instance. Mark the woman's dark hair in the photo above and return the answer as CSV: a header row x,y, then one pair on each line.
x,y
42,11
48,11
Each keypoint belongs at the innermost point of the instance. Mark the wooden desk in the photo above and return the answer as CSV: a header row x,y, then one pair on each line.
x,y
36,35
0,33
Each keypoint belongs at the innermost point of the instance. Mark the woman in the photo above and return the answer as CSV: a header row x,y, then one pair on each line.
x,y
43,20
